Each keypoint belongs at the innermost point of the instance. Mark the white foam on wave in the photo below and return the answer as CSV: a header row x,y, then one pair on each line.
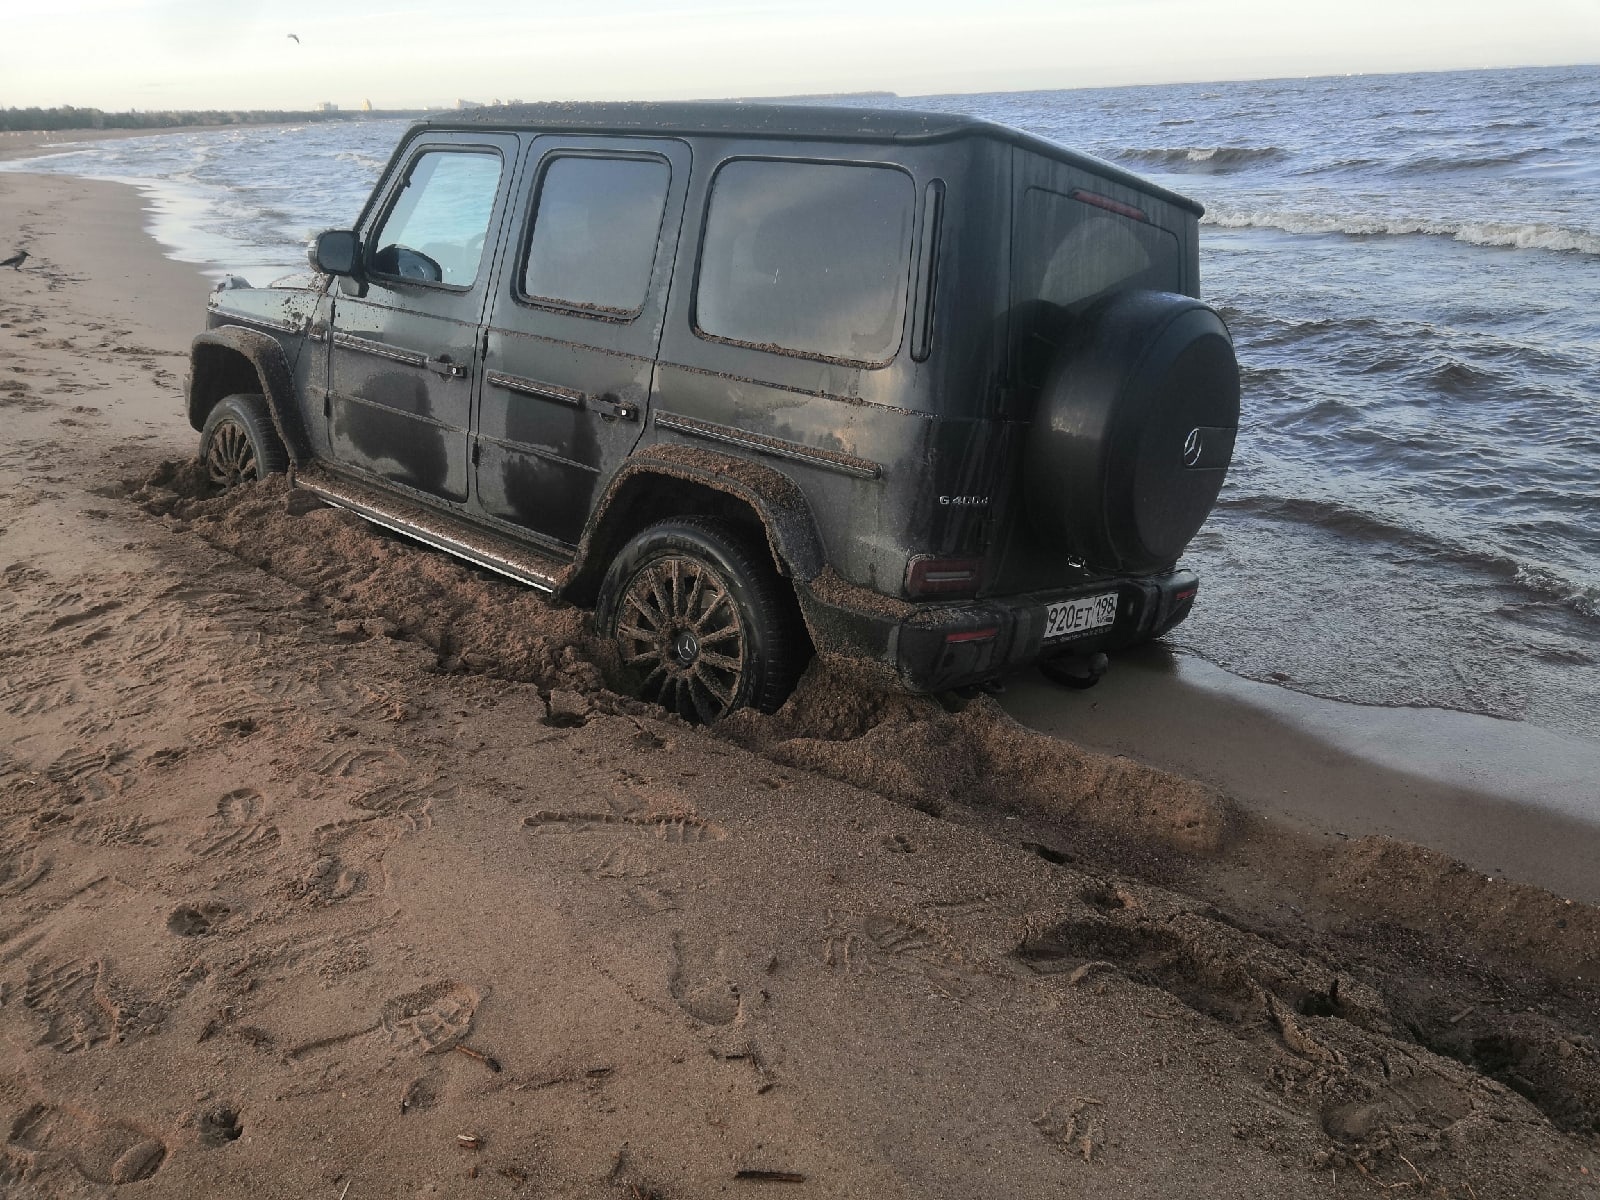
x,y
1533,235
369,162
1202,158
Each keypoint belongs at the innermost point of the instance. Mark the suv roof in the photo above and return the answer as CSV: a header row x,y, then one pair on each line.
x,y
796,121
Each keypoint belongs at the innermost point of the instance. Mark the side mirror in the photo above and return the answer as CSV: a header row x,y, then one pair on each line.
x,y
337,252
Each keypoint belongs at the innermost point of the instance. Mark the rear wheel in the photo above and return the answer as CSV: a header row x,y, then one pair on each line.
x,y
239,444
700,617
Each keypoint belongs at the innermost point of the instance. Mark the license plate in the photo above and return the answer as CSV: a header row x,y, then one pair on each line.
x,y
1068,617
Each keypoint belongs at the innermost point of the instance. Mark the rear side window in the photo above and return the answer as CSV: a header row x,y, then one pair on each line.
x,y
807,258
595,233
1070,252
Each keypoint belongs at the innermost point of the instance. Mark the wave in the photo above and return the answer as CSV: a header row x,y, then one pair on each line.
x,y
1340,166
1434,164
1542,581
1203,159
371,162
1533,235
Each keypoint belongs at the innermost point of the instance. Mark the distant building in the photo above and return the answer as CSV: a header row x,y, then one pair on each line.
x,y
466,104
327,106
366,106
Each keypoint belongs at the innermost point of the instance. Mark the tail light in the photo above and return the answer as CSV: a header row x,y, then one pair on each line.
x,y
987,634
929,576
1110,205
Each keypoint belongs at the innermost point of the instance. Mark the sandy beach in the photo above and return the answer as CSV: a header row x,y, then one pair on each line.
x,y
331,867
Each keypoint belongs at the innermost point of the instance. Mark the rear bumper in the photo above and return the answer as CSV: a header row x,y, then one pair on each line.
x,y
935,647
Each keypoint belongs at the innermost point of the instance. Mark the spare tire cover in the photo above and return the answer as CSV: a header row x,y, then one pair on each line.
x,y
1133,432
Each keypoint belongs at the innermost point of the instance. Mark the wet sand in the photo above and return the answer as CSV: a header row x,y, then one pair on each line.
x,y
1508,798
329,866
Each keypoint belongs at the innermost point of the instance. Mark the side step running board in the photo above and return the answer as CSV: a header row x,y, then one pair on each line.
x,y
489,550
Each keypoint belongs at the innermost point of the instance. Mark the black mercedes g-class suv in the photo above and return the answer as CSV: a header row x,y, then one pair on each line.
x,y
756,381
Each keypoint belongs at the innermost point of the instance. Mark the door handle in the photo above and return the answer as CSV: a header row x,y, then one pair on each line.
x,y
613,410
443,366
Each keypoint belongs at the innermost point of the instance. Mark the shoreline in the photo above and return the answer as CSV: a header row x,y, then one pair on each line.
x,y
34,143
1508,798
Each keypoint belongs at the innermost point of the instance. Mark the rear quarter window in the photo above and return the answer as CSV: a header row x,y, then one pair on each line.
x,y
807,258
1067,255
1070,253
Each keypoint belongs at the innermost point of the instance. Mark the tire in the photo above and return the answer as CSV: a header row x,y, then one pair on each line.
x,y
1134,432
239,444
698,613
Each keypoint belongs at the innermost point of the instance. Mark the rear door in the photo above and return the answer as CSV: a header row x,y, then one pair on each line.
x,y
403,357
572,337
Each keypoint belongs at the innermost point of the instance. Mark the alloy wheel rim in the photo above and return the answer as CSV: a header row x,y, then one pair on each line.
x,y
678,625
231,459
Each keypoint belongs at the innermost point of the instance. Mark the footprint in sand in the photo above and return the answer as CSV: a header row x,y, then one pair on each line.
x,y
699,983
359,764
80,1007
409,804
197,920
675,828
103,1152
20,868
91,775
879,943
236,826
328,880
431,1019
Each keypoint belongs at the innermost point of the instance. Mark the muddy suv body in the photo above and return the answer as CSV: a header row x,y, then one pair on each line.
x,y
947,387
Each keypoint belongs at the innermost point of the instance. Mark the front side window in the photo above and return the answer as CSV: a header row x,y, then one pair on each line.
x,y
436,229
595,233
807,258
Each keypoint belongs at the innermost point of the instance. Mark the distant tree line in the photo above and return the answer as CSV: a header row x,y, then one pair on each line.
x,y
20,119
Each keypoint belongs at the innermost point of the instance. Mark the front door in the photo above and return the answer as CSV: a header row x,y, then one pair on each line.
x,y
403,357
576,320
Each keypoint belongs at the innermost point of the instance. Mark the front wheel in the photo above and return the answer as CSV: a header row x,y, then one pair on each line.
x,y
700,617
239,444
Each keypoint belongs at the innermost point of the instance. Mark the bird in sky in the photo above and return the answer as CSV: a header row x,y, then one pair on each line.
x,y
16,260
296,38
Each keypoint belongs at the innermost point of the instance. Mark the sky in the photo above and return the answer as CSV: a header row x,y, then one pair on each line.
x,y
153,54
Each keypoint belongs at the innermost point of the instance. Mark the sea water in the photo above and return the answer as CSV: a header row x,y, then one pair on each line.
x,y
1410,265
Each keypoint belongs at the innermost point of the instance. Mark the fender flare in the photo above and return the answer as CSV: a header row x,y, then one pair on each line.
x,y
775,499
207,358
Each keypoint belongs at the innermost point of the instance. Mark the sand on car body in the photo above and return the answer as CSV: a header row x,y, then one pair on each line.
x,y
329,865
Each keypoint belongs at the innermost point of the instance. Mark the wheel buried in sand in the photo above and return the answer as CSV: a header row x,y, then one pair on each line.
x,y
678,626
700,618
239,444
230,459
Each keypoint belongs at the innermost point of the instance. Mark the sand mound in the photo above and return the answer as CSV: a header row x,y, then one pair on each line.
x,y
1429,891
912,750
382,585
